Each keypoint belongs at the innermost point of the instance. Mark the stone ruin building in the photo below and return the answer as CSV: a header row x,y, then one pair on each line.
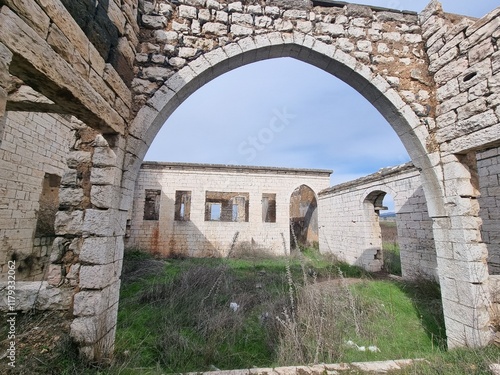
x,y
86,85
207,210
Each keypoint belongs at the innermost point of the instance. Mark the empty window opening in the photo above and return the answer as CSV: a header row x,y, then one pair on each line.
x,y
384,233
303,218
48,206
182,205
269,208
229,207
152,205
215,211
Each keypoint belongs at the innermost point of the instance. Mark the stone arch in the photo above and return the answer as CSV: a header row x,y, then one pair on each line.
x,y
407,125
303,209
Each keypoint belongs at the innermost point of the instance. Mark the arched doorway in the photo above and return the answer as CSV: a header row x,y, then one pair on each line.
x,y
303,218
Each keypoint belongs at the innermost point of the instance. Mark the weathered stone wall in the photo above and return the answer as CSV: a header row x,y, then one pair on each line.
x,y
464,60
33,145
488,165
78,76
349,223
198,237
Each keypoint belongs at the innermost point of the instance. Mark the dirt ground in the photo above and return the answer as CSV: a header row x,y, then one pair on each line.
x,y
39,338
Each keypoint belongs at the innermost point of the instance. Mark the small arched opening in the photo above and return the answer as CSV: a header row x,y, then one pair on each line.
x,y
382,237
303,218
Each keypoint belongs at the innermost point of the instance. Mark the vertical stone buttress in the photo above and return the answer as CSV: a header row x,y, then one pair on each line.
x,y
461,254
101,256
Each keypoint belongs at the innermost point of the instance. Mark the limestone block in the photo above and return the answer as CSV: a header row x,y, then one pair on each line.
x,y
495,62
204,15
177,62
283,25
196,3
392,36
187,52
255,9
221,16
364,46
180,27
99,222
188,12
272,11
143,86
117,16
105,196
266,21
59,247
104,157
68,222
89,303
77,158
472,108
113,79
158,59
353,10
105,176
70,197
73,274
100,86
162,36
70,178
154,22
212,4
156,73
97,277
54,274
235,7
448,91
37,295
238,30
243,19
296,14
440,61
84,330
330,29
214,28
434,7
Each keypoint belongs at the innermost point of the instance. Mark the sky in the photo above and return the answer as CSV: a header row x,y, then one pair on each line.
x,y
286,113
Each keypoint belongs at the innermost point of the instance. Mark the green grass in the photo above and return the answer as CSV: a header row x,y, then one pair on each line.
x,y
178,318
392,258
174,317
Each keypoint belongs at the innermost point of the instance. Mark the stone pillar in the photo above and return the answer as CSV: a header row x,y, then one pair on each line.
x,y
101,256
462,257
5,59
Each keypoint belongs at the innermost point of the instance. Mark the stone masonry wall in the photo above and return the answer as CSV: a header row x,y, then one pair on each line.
x,y
198,237
464,60
488,164
349,226
33,144
387,40
76,72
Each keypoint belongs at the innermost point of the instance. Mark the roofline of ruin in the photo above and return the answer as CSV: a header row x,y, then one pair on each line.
x,y
380,174
233,168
